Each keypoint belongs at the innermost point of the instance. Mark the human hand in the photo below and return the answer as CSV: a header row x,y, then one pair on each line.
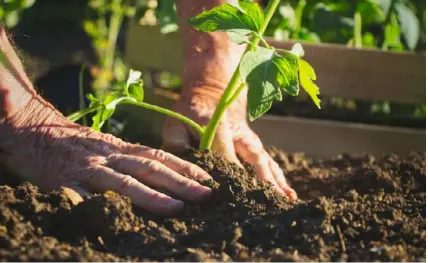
x,y
234,136
40,145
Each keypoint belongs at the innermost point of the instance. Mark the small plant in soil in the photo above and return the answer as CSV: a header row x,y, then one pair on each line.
x,y
267,71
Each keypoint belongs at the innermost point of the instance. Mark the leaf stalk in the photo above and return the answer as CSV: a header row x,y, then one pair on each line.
x,y
232,90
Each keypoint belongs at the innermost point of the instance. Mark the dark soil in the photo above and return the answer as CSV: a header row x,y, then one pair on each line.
x,y
351,209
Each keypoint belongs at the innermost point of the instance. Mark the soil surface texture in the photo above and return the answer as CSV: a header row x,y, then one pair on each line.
x,y
351,208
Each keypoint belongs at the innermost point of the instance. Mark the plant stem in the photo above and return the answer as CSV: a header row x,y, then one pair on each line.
x,y
81,95
107,55
266,44
299,14
386,22
167,112
288,52
231,90
114,26
77,115
357,31
236,95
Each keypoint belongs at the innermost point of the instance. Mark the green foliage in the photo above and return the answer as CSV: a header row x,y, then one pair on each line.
x,y
239,20
266,73
131,90
259,71
166,15
334,21
10,10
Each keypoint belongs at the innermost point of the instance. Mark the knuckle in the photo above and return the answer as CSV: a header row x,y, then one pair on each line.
x,y
154,167
159,154
127,182
259,159
113,159
93,161
184,182
157,196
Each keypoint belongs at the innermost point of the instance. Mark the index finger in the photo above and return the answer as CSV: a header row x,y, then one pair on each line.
x,y
104,179
171,161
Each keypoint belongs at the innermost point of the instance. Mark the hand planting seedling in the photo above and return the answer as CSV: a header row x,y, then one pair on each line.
x,y
265,70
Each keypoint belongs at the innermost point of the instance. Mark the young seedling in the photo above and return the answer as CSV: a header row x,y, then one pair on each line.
x,y
265,70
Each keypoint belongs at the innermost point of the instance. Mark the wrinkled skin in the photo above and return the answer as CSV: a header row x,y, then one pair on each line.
x,y
210,60
40,145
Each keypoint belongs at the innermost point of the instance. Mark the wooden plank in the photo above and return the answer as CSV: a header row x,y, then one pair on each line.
x,y
320,138
317,138
365,73
146,47
343,72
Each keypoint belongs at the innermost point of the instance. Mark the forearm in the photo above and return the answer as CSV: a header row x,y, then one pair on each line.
x,y
210,58
18,98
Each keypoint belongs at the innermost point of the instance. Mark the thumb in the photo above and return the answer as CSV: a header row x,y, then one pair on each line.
x,y
175,136
223,144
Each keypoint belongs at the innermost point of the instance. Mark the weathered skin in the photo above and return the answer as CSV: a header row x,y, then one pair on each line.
x,y
210,60
39,144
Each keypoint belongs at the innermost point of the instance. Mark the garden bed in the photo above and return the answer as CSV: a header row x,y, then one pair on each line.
x,y
354,208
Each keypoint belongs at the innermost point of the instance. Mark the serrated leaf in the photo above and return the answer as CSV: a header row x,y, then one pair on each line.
x,y
238,36
259,72
288,72
226,17
306,77
109,107
136,91
254,11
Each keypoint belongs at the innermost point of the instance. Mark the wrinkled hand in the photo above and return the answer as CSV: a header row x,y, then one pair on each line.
x,y
234,136
60,153
40,145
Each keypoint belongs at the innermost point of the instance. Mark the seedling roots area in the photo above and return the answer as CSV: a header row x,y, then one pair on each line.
x,y
350,209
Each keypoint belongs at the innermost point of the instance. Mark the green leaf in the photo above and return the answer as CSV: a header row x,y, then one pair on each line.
x,y
259,72
287,77
254,11
238,36
371,11
306,75
133,77
166,14
267,74
102,115
246,17
94,102
392,32
409,25
136,91
134,85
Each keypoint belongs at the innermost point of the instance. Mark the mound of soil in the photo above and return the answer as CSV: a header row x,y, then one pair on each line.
x,y
351,208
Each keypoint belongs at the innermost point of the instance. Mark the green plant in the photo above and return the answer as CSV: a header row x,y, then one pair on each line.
x,y
267,71
103,25
11,9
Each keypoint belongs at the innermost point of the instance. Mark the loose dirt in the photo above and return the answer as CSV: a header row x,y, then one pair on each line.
x,y
351,208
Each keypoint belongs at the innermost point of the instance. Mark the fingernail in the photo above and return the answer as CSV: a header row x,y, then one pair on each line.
x,y
206,176
204,191
293,196
175,204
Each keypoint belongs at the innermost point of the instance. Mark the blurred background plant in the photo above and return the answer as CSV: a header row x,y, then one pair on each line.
x,y
388,25
10,10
